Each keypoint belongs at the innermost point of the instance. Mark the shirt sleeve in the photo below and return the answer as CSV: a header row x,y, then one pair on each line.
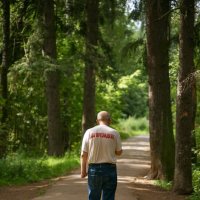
x,y
84,147
119,143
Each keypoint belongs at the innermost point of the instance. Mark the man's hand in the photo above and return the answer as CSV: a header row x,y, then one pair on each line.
x,y
118,153
83,174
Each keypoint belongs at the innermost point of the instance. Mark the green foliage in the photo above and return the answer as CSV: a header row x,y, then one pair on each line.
x,y
163,184
127,97
118,92
28,107
196,180
194,196
132,126
196,169
134,95
20,169
196,184
71,86
197,134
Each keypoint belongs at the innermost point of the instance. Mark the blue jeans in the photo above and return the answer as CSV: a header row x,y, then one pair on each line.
x,y
102,180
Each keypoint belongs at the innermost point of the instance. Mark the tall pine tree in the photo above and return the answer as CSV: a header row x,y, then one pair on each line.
x,y
185,114
55,136
4,73
91,63
160,116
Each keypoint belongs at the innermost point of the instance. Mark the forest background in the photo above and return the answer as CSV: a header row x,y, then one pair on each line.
x,y
64,60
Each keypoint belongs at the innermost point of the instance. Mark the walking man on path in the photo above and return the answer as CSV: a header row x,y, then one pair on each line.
x,y
101,144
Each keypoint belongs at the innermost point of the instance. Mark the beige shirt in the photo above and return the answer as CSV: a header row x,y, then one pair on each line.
x,y
101,142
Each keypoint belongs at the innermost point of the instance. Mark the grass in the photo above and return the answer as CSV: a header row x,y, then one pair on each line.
x,y
17,169
163,184
131,126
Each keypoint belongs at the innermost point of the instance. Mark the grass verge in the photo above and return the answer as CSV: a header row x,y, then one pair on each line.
x,y
17,169
163,184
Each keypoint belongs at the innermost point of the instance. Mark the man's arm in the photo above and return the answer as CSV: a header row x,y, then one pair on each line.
x,y
84,157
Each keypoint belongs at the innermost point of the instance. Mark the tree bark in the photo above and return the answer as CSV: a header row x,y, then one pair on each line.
x,y
90,64
4,72
160,116
185,100
55,136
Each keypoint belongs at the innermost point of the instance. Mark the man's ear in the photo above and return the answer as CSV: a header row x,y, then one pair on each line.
x,y
97,121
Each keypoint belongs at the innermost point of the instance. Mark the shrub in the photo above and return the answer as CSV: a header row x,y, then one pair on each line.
x,y
196,180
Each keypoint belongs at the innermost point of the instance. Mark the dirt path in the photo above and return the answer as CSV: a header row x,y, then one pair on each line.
x,y
132,166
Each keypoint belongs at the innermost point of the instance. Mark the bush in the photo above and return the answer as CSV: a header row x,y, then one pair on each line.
x,y
196,180
194,196
196,184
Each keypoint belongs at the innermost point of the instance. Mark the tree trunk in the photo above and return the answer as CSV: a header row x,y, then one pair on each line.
x,y
4,72
90,64
185,99
160,116
55,136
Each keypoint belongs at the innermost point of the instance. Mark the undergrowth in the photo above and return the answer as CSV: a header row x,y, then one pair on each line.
x,y
19,169
131,126
196,184
196,170
163,184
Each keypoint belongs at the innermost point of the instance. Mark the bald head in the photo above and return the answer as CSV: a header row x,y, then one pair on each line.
x,y
103,117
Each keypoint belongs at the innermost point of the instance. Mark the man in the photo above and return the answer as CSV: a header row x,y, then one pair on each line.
x,y
101,144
